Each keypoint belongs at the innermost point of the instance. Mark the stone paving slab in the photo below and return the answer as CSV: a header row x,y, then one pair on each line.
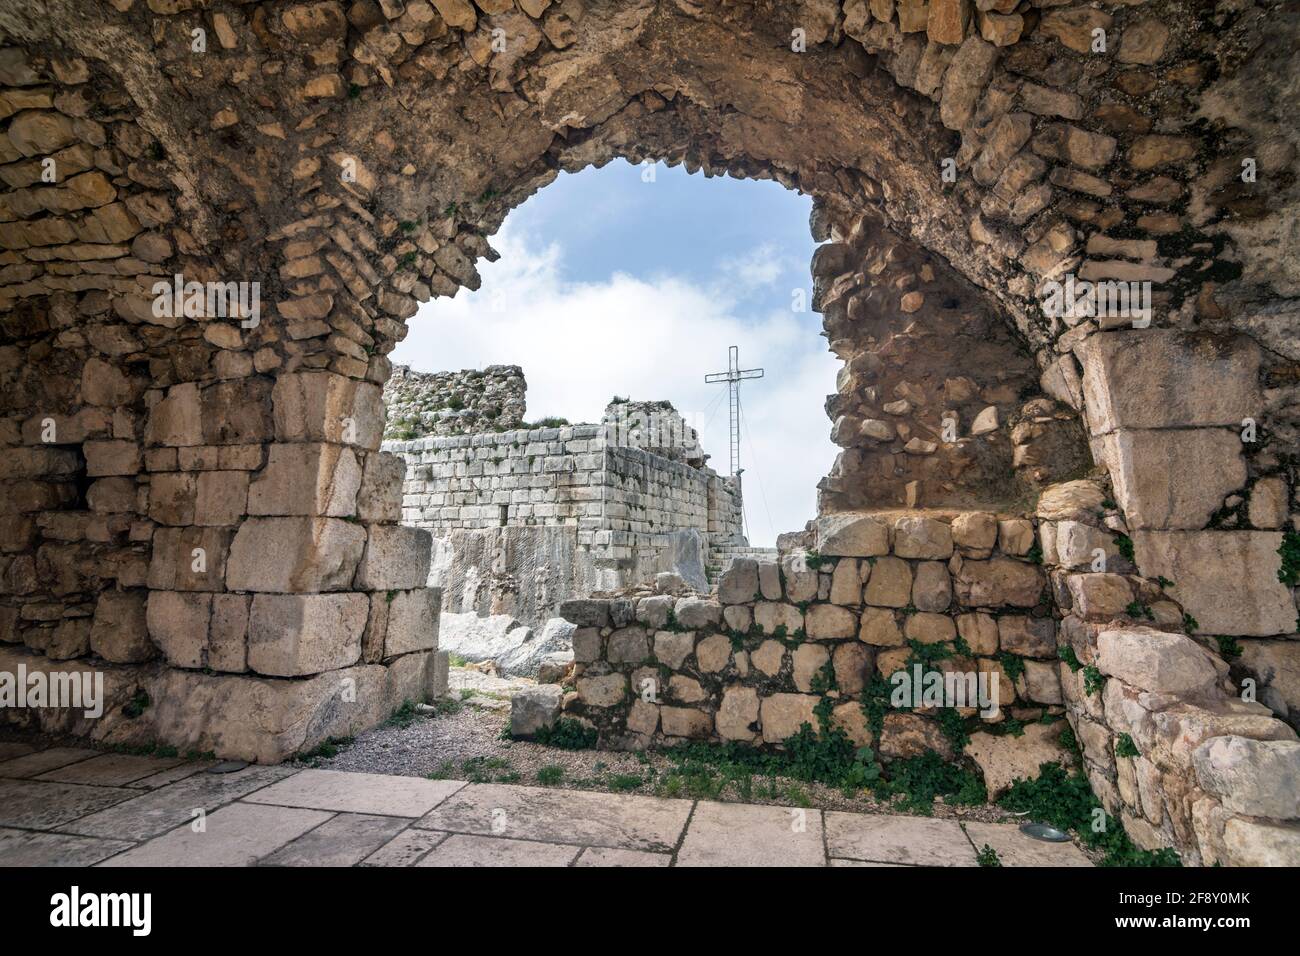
x,y
1016,849
237,835
616,857
359,793
42,761
28,848
737,834
562,816
345,840
151,813
405,849
8,751
39,805
463,850
110,770
892,838
163,777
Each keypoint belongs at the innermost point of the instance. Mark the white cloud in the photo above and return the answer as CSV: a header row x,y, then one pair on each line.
x,y
581,343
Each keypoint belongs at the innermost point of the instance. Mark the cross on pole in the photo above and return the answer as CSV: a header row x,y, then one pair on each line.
x,y
732,376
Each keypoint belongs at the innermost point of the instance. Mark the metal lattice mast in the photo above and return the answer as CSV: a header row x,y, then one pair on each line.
x,y
733,376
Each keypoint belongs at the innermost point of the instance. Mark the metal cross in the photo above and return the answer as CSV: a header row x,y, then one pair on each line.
x,y
732,376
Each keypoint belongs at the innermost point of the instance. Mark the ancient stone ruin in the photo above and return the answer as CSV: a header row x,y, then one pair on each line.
x,y
1057,262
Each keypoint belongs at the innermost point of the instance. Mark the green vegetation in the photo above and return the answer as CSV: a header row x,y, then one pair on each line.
x,y
1064,800
1125,546
1092,679
404,716
1071,659
988,856
550,775
568,734
814,560
137,705
1228,647
323,751
1124,747
1289,572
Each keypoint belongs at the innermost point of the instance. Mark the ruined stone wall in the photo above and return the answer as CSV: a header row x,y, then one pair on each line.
x,y
783,644
352,160
529,518
454,403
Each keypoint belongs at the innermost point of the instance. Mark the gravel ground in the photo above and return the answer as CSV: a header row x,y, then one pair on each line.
x,y
467,744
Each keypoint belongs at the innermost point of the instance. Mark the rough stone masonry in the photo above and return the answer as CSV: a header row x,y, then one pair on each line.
x,y
195,503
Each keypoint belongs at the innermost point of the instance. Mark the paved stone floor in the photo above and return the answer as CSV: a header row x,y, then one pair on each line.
x,y
69,806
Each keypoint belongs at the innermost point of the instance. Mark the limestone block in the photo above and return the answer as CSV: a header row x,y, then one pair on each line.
x,y
697,614
738,618
396,557
739,582
585,613
830,622
1004,759
380,495
685,722
291,635
673,647
713,653
890,584
227,648
605,690
783,714
587,645
175,421
929,628
1043,682
1268,502
849,718
1255,843
1156,660
1260,778
852,535
737,717
535,708
932,587
653,611
628,645
1227,580
295,555
879,628
643,717
325,407
221,497
998,581
910,735
769,580
1027,636
800,580
308,478
980,632
974,531
846,583
921,537
768,657
854,663
171,498
1015,535
1275,667
1164,378
1173,479
178,625
189,559
412,623
113,457
120,632
1076,545
1099,596
807,661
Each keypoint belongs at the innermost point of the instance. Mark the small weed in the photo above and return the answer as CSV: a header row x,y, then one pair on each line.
x,y
1124,747
550,775
988,856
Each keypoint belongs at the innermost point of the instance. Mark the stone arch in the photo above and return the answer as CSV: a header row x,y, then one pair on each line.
x,y
353,158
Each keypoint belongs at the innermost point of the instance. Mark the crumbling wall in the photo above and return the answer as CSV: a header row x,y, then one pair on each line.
x,y
454,403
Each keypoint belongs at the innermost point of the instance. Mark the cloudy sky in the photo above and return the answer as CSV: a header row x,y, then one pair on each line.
x,y
611,285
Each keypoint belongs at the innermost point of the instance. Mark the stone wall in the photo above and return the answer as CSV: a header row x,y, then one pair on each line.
x,y
454,403
528,518
818,629
352,159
